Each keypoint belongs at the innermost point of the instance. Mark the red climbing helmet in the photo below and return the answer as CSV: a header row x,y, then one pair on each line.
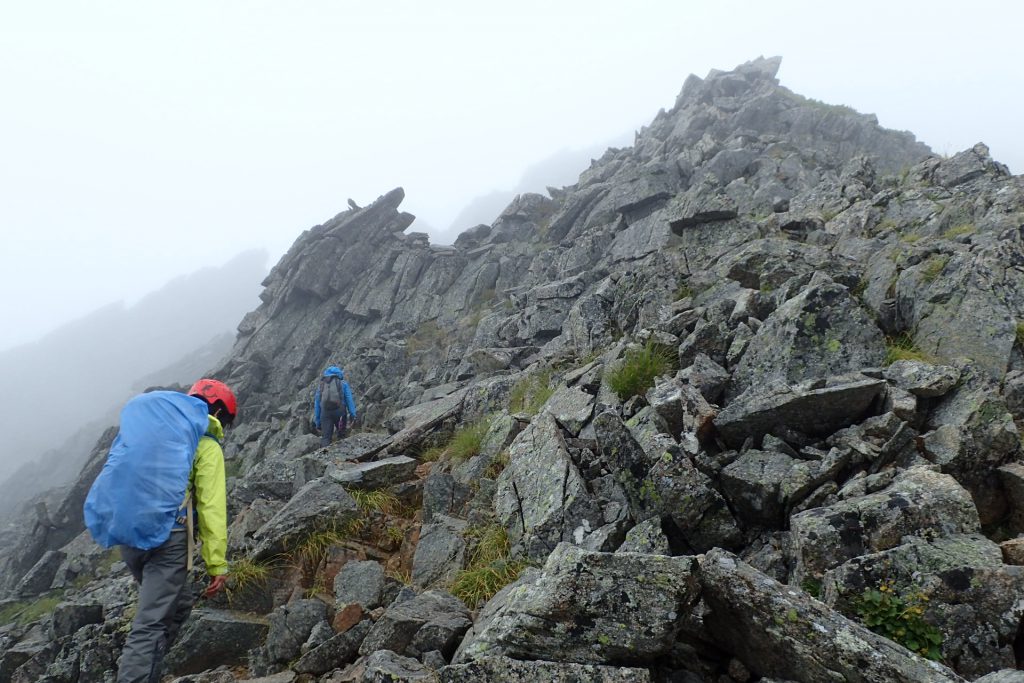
x,y
211,391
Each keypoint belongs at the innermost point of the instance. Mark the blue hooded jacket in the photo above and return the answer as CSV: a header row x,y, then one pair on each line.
x,y
332,372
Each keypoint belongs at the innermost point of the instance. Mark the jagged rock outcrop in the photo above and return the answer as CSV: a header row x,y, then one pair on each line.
x,y
828,315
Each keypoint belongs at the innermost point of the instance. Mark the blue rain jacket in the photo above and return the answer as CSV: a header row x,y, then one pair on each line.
x,y
138,494
346,392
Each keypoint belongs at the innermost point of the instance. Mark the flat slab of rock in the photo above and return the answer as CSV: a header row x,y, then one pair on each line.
x,y
592,608
319,501
211,638
339,650
505,670
571,407
811,411
780,631
922,379
433,620
440,552
376,474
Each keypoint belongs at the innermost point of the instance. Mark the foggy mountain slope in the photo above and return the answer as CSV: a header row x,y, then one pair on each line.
x,y
57,467
81,371
558,170
829,316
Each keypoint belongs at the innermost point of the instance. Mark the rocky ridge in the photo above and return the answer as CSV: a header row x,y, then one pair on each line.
x,y
829,440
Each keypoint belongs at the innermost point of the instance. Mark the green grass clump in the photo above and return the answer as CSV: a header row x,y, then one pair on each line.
x,y
466,441
246,573
902,347
376,500
639,368
900,618
1020,334
683,291
531,393
959,230
911,237
933,268
25,612
312,549
490,569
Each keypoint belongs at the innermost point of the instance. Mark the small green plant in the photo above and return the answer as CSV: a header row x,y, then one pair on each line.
x,y
959,231
902,347
466,441
376,500
497,465
933,268
432,454
635,375
860,289
428,336
531,393
900,618
27,611
911,237
490,569
812,587
395,534
308,553
403,576
1020,334
683,291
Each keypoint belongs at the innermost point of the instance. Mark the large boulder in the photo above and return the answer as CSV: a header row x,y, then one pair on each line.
x,y
541,497
810,409
592,608
320,501
919,502
820,332
211,638
974,600
376,474
433,620
506,670
440,552
782,632
290,627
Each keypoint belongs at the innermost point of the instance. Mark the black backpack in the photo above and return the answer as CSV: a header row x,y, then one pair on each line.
x,y
330,394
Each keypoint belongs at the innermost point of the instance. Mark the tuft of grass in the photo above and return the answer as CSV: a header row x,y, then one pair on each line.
x,y
683,291
312,549
639,368
432,454
902,347
395,534
428,336
531,393
960,230
490,569
1020,334
497,466
911,237
403,576
25,612
933,267
466,441
376,500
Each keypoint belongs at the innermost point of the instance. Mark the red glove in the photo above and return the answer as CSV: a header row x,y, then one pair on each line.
x,y
217,584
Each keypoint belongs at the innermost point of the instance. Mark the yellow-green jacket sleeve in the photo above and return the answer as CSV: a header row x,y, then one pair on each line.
x,y
211,504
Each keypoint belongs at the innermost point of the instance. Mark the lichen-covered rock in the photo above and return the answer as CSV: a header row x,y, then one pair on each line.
x,y
506,670
376,474
646,537
385,666
541,497
592,608
211,638
440,552
679,492
918,502
972,598
814,411
69,617
783,632
361,583
318,502
820,332
922,379
290,626
339,650
571,407
433,620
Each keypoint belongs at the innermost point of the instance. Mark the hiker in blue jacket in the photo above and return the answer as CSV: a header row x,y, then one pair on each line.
x,y
333,405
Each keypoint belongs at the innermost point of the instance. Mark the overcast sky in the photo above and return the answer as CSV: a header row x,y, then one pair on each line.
x,y
143,140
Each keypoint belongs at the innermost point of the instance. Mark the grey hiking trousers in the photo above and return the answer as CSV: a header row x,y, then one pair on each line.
x,y
165,601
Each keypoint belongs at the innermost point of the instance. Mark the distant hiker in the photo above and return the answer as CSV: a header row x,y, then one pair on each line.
x,y
166,456
333,405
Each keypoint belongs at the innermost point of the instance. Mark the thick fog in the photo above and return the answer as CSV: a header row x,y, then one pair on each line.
x,y
144,141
